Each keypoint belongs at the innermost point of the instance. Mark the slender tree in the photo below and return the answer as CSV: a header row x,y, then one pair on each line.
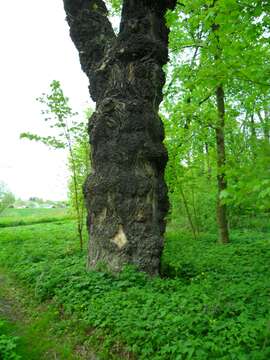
x,y
69,134
126,194
222,218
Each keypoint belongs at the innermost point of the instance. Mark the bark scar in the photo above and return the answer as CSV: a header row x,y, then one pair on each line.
x,y
120,238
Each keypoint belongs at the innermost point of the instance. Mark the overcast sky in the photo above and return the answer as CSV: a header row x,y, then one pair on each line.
x,y
35,49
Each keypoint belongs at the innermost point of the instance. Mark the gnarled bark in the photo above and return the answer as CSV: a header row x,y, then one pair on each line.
x,y
126,194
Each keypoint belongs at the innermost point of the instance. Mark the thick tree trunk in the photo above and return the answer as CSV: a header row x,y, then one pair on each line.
x,y
126,195
221,162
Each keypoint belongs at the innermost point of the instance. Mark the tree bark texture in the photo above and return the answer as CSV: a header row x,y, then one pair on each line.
x,y
221,162
126,195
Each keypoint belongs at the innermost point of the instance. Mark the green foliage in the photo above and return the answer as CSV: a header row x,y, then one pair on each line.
x,y
6,197
57,112
81,162
34,328
212,302
8,345
114,6
217,43
71,134
79,166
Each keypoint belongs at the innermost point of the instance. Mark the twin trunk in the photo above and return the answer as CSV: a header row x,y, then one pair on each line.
x,y
126,195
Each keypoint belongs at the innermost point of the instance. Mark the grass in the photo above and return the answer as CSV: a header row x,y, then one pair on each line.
x,y
32,333
19,217
211,303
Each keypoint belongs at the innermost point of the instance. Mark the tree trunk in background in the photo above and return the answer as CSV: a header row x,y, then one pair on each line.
x,y
253,129
264,120
208,164
221,162
126,195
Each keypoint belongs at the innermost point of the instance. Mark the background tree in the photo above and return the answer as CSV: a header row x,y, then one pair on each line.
x,y
70,134
6,197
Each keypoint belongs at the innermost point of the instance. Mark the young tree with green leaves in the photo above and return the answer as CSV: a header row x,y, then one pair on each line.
x,y
70,134
80,166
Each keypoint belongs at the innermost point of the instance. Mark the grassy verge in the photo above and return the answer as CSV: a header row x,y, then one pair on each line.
x,y
34,331
212,302
20,217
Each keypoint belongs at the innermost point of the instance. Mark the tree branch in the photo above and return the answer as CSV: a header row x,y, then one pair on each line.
x,y
205,99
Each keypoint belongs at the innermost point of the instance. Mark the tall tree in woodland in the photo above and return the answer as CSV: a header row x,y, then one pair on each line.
x,y
126,194
222,217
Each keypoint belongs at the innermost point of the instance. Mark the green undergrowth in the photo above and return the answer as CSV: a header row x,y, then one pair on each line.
x,y
35,343
212,301
29,330
8,343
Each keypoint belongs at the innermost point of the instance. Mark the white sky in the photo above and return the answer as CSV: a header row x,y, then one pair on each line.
x,y
35,49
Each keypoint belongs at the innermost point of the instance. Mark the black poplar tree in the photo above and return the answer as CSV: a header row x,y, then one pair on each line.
x,y
126,195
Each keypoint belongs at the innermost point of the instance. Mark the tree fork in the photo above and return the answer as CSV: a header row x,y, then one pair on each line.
x,y
126,195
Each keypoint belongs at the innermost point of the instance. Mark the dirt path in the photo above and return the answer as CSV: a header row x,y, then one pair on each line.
x,y
36,326
8,308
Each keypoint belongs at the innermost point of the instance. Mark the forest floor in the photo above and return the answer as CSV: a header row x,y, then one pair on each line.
x,y
212,301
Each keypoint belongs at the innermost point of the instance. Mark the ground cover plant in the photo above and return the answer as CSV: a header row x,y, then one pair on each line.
x,y
8,344
212,301
29,329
